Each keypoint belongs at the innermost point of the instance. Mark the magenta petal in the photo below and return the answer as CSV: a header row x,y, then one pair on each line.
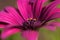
x,y
45,1
4,17
39,5
10,17
52,6
57,24
14,14
55,14
30,35
7,33
52,26
2,26
38,9
25,8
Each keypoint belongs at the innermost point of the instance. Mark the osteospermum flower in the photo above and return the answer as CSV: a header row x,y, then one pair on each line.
x,y
28,18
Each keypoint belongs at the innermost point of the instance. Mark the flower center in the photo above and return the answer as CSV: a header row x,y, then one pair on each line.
x,y
31,24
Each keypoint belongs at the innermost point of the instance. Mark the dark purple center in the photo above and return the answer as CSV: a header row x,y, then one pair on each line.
x,y
31,25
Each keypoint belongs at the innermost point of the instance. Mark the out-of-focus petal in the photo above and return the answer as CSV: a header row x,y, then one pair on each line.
x,y
38,8
25,8
38,5
4,17
11,16
54,14
15,14
50,8
52,28
45,1
2,26
30,35
9,32
52,25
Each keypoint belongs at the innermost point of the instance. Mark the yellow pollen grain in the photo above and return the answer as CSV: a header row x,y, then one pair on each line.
x,y
31,18
34,19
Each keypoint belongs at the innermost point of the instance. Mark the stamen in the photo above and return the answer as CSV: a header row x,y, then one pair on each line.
x,y
29,25
34,19
31,19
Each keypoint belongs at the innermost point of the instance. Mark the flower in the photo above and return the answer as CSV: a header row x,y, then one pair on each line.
x,y
29,17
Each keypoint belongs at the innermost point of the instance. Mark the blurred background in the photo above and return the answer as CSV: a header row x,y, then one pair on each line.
x,y
44,33
4,3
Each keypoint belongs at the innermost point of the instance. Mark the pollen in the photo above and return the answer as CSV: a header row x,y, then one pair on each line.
x,y
32,19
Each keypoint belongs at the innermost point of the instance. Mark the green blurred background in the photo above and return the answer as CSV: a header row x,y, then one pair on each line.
x,y
44,33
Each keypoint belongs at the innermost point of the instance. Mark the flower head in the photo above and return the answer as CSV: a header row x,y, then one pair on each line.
x,y
29,17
